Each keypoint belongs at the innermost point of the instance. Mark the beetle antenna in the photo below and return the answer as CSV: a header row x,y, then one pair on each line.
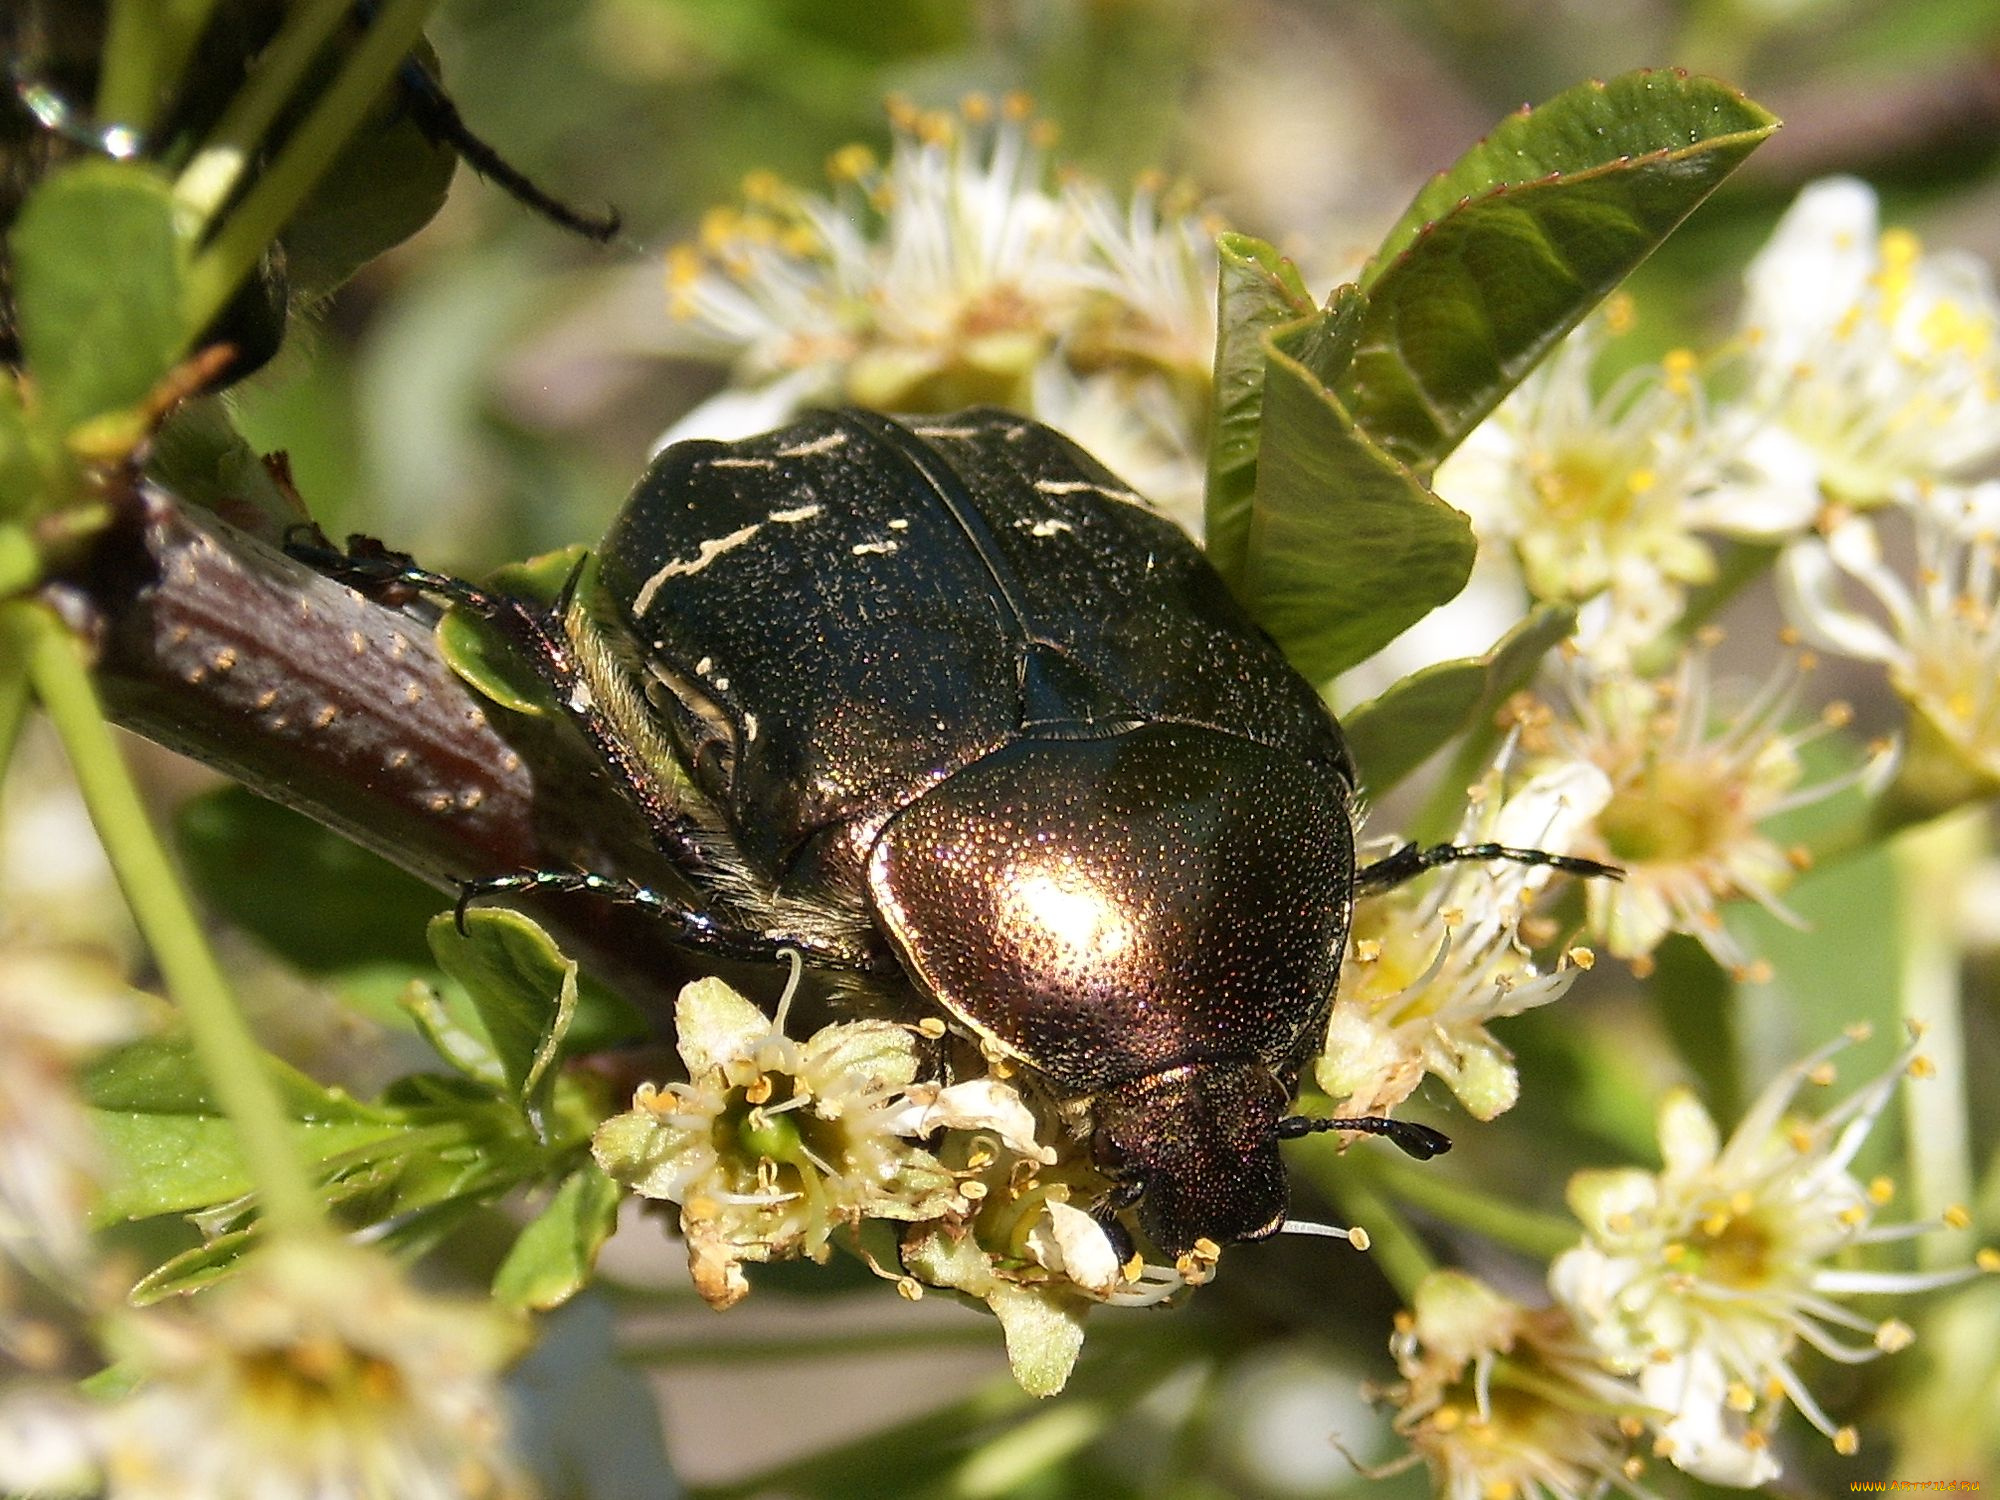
x,y
1417,1140
1412,860
435,114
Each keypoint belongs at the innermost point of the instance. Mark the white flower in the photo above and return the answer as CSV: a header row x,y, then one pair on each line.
x,y
57,1007
1501,1400
1429,966
1705,1277
1938,634
1873,368
773,1144
1601,495
1691,789
957,274
317,1374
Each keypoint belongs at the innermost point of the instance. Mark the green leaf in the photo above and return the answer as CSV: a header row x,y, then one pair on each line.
x,y
1259,290
1392,735
542,577
1347,548
552,1259
521,988
206,1264
1504,253
200,456
325,904
473,650
98,277
169,1147
452,1024
388,181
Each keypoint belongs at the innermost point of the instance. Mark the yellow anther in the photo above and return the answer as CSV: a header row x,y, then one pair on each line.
x,y
1893,1334
851,163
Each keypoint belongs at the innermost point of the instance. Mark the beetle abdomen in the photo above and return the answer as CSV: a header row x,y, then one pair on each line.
x,y
1109,908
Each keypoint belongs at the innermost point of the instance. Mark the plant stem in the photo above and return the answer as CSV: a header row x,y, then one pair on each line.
x,y
1529,1230
13,701
146,43
240,241
218,166
230,1057
1932,863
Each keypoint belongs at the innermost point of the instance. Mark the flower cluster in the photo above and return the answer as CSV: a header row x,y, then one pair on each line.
x,y
960,272
1501,1399
774,1145
1679,1313
1428,968
1864,372
1693,782
317,1372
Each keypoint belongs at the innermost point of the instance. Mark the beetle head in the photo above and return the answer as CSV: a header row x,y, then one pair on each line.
x,y
1199,1144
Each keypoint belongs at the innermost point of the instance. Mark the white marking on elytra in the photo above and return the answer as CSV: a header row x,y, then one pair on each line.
x,y
946,432
749,727
742,463
722,684
832,442
798,513
1088,487
899,524
1049,527
705,665
683,567
864,549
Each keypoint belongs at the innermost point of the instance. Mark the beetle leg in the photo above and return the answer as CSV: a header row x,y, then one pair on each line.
x,y
538,636
1115,1231
1412,860
433,112
687,927
1417,1140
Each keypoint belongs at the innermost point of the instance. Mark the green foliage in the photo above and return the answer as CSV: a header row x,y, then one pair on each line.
x,y
99,274
513,1001
1260,292
171,1147
320,901
1327,421
386,184
1503,253
553,1257
1335,580
1392,735
486,662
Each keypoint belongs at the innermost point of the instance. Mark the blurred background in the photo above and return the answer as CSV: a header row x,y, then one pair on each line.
x,y
492,388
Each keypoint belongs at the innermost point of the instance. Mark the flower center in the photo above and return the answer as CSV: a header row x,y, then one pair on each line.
x,y
1733,1250
1586,485
1673,815
317,1378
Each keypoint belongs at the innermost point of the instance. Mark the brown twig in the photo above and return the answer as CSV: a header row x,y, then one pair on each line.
x,y
221,647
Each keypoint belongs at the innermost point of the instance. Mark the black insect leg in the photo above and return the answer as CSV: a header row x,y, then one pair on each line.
x,y
433,112
686,927
1412,860
1417,1140
537,636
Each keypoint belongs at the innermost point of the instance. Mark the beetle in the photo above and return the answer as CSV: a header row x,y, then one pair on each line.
x,y
946,700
